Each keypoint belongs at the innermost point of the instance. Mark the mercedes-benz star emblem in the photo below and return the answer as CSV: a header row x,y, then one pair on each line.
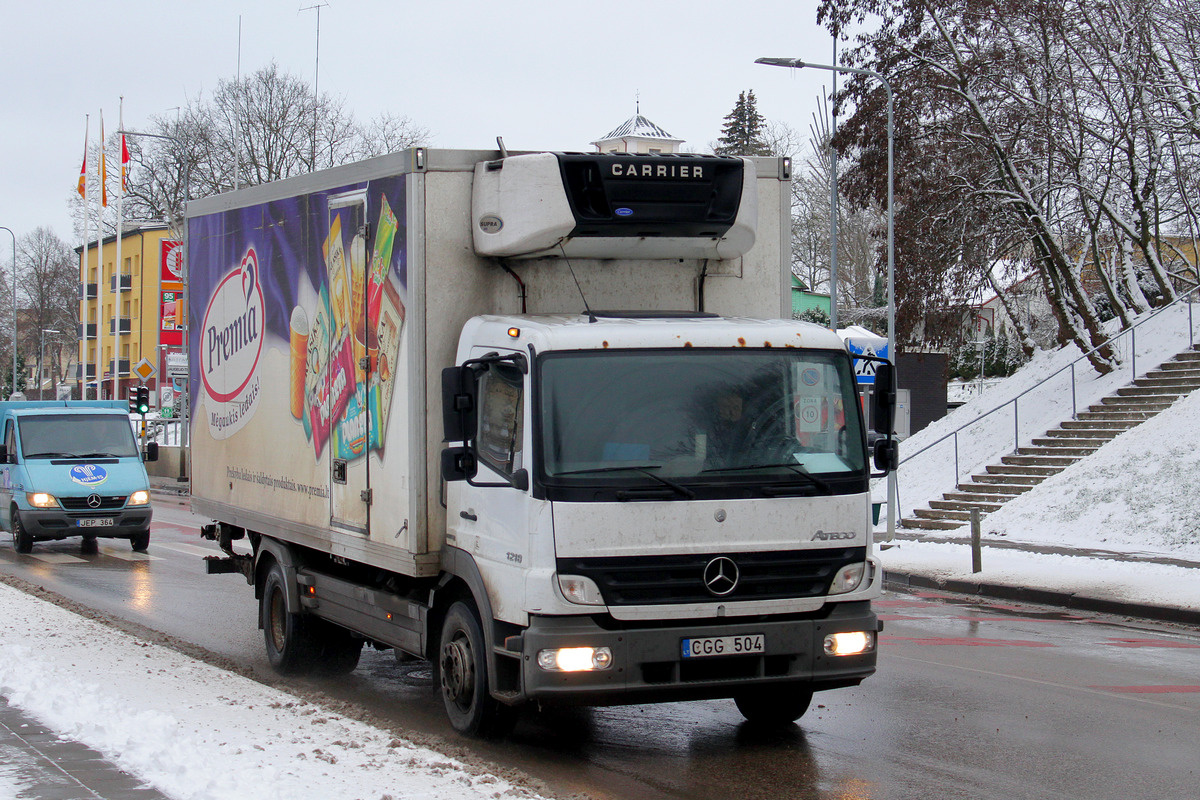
x,y
720,576
94,501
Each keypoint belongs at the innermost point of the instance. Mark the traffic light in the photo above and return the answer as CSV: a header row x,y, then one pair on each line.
x,y
141,399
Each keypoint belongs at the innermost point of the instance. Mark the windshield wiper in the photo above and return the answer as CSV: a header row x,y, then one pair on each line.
x,y
820,483
644,469
98,455
52,455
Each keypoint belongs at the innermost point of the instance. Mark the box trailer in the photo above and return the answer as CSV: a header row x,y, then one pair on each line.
x,y
533,417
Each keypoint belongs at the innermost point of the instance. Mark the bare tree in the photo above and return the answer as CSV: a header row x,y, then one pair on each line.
x,y
50,284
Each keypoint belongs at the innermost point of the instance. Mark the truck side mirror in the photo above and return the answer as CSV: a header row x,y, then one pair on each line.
x,y
151,453
883,410
887,455
458,403
458,464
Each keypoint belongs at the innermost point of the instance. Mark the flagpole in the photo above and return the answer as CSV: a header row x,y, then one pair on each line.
x,y
87,218
120,267
99,248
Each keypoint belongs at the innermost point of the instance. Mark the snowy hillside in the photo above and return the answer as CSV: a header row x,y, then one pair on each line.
x,y
1136,494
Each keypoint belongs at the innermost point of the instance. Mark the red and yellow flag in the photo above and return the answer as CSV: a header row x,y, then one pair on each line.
x,y
124,165
82,188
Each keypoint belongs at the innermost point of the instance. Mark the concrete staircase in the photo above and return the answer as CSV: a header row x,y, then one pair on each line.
x,y
1059,448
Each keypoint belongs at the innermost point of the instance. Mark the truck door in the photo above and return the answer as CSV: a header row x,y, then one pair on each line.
x,y
493,522
345,249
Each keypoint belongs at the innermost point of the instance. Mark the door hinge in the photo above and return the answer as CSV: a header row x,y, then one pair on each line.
x,y
367,495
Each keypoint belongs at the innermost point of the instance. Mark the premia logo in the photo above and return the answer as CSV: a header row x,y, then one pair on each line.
x,y
231,343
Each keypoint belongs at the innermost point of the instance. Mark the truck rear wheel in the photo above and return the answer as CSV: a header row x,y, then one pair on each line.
x,y
291,645
462,672
773,705
22,538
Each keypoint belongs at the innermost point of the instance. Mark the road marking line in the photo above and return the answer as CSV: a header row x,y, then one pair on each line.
x,y
965,640
128,555
1148,689
58,558
1149,643
189,549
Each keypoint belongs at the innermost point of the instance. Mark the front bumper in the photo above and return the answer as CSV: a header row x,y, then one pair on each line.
x,y
58,523
648,665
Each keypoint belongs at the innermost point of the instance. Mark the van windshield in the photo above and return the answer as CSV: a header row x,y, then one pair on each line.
x,y
77,436
701,419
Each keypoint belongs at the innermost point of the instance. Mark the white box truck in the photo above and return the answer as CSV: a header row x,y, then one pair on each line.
x,y
533,417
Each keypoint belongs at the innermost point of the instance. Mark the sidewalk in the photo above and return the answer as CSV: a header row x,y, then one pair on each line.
x,y
37,763
1150,586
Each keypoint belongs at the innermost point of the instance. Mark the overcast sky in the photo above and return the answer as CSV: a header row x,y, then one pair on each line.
x,y
544,74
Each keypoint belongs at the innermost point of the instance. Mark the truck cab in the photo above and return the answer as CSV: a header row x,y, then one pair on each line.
x,y
72,468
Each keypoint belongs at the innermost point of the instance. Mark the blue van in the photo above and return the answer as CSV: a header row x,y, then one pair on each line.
x,y
72,468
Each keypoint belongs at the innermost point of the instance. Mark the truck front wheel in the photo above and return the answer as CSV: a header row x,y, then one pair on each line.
x,y
291,646
462,671
22,538
773,705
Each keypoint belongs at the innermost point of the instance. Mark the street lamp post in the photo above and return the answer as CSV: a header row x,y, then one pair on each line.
x,y
796,63
187,193
14,303
42,362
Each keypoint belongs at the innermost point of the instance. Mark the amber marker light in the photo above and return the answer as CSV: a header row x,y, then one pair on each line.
x,y
514,332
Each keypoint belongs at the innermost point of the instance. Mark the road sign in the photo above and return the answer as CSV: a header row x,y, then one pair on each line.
x,y
145,370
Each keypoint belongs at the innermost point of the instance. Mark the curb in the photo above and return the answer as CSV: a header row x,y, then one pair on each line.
x,y
1181,616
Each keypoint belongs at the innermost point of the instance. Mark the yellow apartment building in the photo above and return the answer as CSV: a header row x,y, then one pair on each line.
x,y
131,312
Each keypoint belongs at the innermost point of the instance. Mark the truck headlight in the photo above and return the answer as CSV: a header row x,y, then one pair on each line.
x,y
139,498
41,500
581,590
575,659
848,578
849,643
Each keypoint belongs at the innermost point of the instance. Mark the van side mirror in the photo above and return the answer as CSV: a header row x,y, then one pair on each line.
x,y
151,453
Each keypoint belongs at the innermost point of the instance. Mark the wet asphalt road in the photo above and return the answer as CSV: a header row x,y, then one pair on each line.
x,y
973,699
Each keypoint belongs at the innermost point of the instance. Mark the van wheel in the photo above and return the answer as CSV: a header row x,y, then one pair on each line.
x,y
22,539
140,541
291,644
774,706
462,673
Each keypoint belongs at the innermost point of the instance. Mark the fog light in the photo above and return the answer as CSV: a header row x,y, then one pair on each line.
x,y
575,659
41,500
139,498
850,643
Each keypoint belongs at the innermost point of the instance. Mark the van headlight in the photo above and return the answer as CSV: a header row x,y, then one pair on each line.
x,y
848,578
41,500
139,498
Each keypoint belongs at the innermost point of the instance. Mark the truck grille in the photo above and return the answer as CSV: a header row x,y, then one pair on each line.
x,y
652,580
107,503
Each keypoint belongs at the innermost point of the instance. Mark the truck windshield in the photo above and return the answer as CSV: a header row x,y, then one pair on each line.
x,y
77,436
783,419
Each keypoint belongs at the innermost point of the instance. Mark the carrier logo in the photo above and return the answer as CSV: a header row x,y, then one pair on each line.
x,y
666,169
831,536
231,342
89,474
721,576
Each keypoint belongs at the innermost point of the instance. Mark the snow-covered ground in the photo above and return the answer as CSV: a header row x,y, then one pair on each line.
x,y
1136,495
195,731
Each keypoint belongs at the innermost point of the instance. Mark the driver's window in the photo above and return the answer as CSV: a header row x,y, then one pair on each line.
x,y
501,417
10,441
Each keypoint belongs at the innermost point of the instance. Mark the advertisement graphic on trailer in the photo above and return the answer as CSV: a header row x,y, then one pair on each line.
x,y
301,298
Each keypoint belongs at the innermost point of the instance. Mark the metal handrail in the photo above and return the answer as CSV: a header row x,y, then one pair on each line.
x,y
1074,411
